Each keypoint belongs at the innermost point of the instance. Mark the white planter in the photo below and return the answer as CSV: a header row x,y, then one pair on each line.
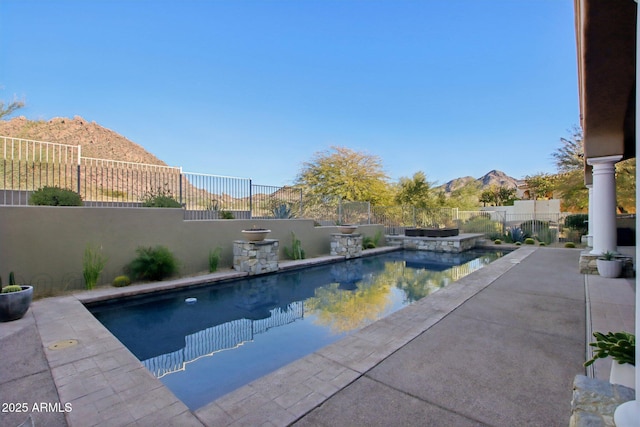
x,y
624,374
608,268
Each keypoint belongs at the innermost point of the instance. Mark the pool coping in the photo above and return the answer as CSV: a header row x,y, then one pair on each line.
x,y
107,385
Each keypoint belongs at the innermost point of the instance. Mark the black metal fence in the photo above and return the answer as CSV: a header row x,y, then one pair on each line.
x,y
28,165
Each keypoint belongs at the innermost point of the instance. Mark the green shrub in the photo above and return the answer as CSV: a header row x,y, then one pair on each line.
x,y
534,227
93,262
121,281
570,245
547,235
543,244
497,242
577,222
518,243
153,263
11,288
369,242
482,224
161,202
55,196
226,215
214,259
529,241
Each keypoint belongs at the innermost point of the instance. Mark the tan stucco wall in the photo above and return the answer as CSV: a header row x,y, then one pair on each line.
x,y
44,245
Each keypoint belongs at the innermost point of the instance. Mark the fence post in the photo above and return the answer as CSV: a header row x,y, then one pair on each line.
x,y
368,212
180,185
250,199
78,167
301,210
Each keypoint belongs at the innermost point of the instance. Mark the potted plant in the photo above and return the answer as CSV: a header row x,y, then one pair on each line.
x,y
255,234
621,347
14,300
608,265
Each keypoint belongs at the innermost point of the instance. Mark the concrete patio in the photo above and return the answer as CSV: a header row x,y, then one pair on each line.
x,y
500,347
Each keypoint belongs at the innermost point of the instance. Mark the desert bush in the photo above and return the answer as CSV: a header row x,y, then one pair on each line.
x,y
547,235
160,198
226,215
121,281
55,196
153,263
570,245
369,242
482,224
577,222
529,241
93,262
497,242
214,259
533,227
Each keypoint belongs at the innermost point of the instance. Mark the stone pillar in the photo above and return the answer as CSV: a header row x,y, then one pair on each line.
x,y
604,204
255,257
347,245
590,223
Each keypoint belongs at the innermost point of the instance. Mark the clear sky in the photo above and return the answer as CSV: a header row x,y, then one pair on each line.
x,y
255,88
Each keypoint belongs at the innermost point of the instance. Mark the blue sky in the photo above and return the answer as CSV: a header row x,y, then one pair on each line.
x,y
255,88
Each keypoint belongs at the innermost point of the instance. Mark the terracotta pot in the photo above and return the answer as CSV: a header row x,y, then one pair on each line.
x,y
347,229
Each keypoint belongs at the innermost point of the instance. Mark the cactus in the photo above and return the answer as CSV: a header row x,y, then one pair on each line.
x,y
620,346
296,251
121,281
11,288
12,279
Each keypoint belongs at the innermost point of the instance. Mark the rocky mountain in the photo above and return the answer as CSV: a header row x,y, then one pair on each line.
x,y
494,177
96,141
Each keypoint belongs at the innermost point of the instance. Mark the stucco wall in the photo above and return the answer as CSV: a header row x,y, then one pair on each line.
x,y
44,245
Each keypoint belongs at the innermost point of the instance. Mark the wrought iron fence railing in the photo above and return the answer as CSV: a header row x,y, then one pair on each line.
x,y
27,165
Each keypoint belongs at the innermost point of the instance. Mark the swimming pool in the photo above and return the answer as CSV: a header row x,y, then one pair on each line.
x,y
205,342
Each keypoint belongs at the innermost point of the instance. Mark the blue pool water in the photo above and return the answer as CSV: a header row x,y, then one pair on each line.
x,y
207,341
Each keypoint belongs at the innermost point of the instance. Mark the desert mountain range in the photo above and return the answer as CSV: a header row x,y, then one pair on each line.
x,y
102,143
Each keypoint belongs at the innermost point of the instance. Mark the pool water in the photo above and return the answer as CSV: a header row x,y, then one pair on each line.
x,y
207,341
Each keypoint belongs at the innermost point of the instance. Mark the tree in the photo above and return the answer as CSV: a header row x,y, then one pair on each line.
x,y
570,156
498,195
466,198
416,191
541,185
626,186
9,109
347,174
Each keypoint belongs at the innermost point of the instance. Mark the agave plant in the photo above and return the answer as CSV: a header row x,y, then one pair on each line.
x,y
516,234
282,211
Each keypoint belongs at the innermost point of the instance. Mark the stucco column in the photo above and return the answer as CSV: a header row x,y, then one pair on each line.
x,y
590,222
604,204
